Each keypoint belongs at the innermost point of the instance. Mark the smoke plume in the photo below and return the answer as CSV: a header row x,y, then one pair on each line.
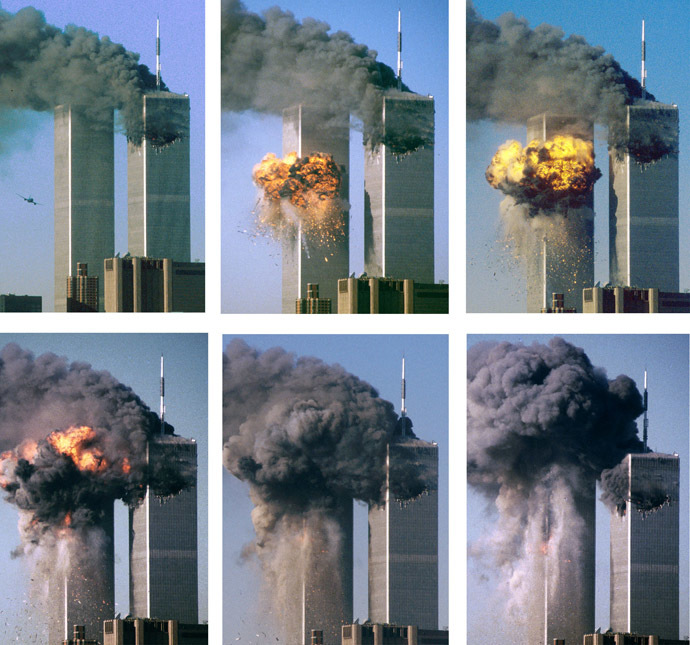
x,y
543,424
308,438
74,440
271,62
44,66
515,72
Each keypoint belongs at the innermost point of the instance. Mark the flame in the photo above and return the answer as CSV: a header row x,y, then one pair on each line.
x,y
75,444
126,466
544,548
301,193
547,172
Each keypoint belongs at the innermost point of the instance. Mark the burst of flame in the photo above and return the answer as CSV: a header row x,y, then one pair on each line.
x,y
76,443
550,171
301,193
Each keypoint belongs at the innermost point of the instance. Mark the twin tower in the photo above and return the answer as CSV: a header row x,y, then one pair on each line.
x,y
398,198
157,188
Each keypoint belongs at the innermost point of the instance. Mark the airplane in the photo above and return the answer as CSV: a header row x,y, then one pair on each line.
x,y
29,200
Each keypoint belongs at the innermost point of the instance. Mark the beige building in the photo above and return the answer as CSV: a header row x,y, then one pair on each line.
x,y
138,284
366,295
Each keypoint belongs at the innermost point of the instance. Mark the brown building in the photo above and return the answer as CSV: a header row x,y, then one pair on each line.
x,y
9,303
619,638
365,295
79,637
376,634
312,304
147,631
82,290
628,300
137,284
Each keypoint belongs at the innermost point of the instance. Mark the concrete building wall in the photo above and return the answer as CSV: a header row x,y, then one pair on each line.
x,y
305,131
643,208
403,547
163,544
399,197
84,195
158,180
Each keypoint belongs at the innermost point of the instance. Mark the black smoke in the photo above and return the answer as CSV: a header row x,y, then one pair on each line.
x,y
39,394
515,72
271,62
43,66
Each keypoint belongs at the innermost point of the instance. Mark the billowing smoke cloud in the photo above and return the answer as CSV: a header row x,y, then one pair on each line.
x,y
44,66
74,440
515,72
543,424
271,62
308,438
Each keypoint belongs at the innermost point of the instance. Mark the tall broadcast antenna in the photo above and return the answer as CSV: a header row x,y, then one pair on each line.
x,y
400,65
158,54
643,75
162,398
645,421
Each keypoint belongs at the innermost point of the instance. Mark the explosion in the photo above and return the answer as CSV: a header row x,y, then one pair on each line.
x,y
301,194
553,175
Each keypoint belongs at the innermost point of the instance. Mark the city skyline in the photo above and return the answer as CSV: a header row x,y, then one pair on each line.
x,y
251,263
665,358
376,359
26,159
133,359
490,268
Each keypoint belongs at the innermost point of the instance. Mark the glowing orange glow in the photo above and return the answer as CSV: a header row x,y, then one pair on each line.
x,y
126,466
301,193
544,548
561,167
74,443
68,519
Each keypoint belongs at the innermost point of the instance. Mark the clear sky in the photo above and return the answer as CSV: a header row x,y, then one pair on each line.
x,y
377,360
26,156
134,359
251,267
493,282
666,359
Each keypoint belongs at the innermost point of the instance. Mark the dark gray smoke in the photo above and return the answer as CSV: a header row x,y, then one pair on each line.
x,y
515,72
46,393
543,423
44,66
307,437
271,62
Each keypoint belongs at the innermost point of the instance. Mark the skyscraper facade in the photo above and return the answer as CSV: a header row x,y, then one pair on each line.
x,y
158,180
399,193
307,130
82,290
326,603
643,205
563,258
163,558
84,195
644,548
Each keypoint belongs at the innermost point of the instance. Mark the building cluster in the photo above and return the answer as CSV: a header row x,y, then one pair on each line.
x,y
403,559
158,212
644,556
398,213
643,227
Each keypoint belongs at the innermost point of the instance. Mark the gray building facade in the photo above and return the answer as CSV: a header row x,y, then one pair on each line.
x,y
84,195
327,583
643,207
163,542
403,544
307,130
158,180
645,548
563,258
399,195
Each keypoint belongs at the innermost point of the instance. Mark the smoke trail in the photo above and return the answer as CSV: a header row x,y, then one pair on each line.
x,y
272,62
44,66
543,423
514,73
307,437
64,482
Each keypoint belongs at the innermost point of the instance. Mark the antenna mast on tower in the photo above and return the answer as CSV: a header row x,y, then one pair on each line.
x,y
162,398
644,69
400,65
645,421
158,53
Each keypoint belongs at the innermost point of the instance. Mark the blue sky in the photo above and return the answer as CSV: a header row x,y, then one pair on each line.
x,y
251,268
377,360
666,359
494,283
134,359
26,157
